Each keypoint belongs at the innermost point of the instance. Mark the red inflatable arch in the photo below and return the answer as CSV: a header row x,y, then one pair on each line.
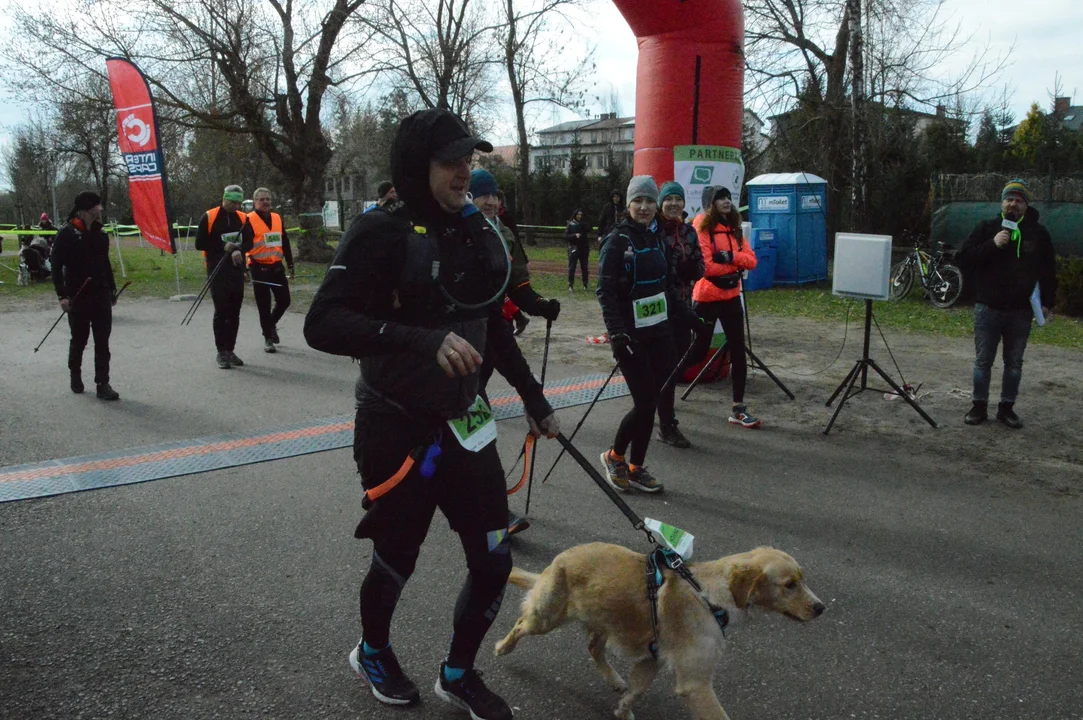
x,y
689,83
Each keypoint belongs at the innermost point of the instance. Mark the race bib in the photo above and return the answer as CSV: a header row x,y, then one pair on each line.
x,y
476,428
233,237
272,239
650,310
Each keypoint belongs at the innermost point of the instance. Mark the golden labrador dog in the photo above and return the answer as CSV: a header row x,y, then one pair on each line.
x,y
605,588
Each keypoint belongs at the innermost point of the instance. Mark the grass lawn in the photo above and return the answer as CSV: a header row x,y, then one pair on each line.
x,y
152,275
815,301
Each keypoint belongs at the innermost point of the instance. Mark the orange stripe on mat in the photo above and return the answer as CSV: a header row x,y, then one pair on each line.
x,y
226,445
173,454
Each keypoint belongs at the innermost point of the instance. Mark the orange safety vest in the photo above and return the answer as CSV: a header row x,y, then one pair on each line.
x,y
212,215
262,252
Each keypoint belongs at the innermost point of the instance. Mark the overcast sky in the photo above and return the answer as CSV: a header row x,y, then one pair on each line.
x,y
1046,35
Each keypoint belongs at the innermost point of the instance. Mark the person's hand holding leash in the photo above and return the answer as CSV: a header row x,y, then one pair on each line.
x,y
549,427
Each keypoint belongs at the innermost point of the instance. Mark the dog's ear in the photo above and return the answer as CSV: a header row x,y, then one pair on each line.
x,y
743,584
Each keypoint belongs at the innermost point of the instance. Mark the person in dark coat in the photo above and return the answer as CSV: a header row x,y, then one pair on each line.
x,y
418,302
1009,258
575,234
611,213
86,290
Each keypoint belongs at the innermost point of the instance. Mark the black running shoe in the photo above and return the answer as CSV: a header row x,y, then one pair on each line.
x,y
670,435
105,392
222,360
470,693
385,676
234,360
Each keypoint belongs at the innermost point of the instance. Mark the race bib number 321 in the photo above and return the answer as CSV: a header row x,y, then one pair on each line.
x,y
650,310
476,428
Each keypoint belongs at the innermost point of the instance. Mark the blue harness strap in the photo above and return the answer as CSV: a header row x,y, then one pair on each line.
x,y
664,557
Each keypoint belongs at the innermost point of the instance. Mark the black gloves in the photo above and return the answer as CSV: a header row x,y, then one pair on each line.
x,y
722,257
549,309
620,342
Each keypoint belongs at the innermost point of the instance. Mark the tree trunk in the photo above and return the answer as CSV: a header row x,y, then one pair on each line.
x,y
523,206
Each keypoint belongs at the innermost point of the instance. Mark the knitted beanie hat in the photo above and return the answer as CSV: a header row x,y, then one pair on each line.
x,y
642,186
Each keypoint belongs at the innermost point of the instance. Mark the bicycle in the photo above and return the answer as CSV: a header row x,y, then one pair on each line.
x,y
941,281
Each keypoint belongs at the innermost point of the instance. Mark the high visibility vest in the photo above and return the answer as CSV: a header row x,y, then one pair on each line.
x,y
212,215
266,241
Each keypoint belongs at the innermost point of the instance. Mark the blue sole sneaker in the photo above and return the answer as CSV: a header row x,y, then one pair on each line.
x,y
385,676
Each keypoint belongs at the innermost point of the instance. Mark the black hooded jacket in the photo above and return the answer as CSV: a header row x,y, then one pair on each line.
x,y
381,304
1005,277
610,216
79,254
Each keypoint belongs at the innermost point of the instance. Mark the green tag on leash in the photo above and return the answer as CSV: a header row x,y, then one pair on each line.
x,y
672,537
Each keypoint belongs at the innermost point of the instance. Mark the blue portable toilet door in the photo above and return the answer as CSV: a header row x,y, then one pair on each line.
x,y
771,207
811,234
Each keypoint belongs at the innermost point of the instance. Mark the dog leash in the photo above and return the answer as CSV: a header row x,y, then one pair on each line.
x,y
658,557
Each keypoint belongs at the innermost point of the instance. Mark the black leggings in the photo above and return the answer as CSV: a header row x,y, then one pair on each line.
x,y
228,296
469,490
682,340
731,315
274,273
580,254
645,368
93,313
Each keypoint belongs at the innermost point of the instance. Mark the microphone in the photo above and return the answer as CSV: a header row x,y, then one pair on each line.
x,y
1010,222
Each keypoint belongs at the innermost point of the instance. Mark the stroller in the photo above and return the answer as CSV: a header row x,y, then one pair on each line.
x,y
33,264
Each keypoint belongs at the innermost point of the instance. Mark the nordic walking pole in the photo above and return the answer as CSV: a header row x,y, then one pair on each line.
x,y
582,420
673,375
121,291
187,319
545,363
62,313
264,282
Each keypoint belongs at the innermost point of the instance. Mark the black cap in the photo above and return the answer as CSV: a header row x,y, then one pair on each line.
x,y
384,188
87,200
451,139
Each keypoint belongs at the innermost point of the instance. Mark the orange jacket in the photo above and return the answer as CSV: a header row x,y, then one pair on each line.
x,y
722,238
261,252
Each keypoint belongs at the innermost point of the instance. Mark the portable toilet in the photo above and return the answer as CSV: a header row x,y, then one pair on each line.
x,y
794,206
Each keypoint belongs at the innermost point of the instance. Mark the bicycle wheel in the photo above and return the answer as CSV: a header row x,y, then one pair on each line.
x,y
902,279
945,286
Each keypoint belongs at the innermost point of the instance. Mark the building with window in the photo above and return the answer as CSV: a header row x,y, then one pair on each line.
x,y
601,140
604,139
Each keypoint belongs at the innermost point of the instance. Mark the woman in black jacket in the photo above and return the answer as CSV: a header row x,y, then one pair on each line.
x,y
640,301
578,249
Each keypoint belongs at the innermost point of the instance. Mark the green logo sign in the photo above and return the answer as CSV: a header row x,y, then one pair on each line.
x,y
702,174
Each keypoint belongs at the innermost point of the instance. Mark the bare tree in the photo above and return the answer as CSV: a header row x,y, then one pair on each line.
x,y
799,49
256,67
442,51
534,33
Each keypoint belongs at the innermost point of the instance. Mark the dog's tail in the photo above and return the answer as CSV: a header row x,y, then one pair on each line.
x,y
522,578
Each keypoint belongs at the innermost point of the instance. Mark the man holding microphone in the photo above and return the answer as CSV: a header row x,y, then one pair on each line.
x,y
1009,258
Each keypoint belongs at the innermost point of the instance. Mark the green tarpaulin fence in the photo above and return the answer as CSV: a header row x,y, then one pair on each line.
x,y
952,223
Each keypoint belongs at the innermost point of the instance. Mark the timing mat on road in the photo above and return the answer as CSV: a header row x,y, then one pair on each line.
x,y
186,457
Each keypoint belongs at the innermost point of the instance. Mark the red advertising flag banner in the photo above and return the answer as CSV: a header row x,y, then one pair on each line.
x,y
137,126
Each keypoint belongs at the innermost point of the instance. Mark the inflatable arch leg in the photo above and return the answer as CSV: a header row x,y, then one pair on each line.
x,y
689,92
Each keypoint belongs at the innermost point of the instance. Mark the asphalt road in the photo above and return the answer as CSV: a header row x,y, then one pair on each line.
x,y
952,592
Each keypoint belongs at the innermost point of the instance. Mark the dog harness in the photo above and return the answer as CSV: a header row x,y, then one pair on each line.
x,y
664,557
